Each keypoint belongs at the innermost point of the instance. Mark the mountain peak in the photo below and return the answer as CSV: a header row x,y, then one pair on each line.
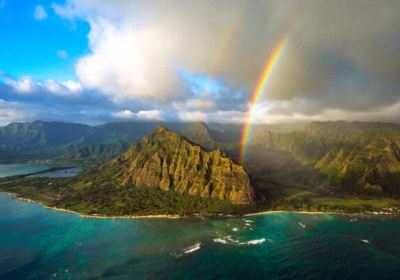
x,y
168,161
161,128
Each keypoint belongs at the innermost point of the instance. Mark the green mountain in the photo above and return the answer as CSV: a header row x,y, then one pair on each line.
x,y
164,173
168,161
216,137
94,152
20,142
23,141
355,157
323,166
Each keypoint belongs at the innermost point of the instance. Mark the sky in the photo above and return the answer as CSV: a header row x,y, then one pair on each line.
x,y
96,61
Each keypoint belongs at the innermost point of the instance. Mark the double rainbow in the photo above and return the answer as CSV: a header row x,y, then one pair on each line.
x,y
260,89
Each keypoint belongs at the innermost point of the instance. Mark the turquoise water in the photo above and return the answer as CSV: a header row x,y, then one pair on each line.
x,y
26,168
23,168
38,243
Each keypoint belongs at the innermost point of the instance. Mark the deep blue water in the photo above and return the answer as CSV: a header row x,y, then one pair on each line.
x,y
38,243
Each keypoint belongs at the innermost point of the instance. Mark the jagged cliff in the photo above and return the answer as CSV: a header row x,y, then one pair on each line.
x,y
360,157
168,161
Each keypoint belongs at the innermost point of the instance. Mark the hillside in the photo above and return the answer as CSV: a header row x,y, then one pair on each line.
x,y
168,161
355,157
162,174
24,141
20,142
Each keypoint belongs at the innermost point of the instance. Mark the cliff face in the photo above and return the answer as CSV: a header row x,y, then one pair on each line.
x,y
168,161
360,157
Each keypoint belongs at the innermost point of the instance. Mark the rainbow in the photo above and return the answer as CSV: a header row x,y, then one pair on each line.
x,y
228,37
225,43
260,89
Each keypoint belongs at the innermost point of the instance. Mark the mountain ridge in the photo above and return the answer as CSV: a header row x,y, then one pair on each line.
x,y
167,161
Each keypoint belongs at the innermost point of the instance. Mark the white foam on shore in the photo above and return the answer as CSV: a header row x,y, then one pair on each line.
x,y
229,240
302,225
193,248
253,242
235,229
226,239
248,221
220,240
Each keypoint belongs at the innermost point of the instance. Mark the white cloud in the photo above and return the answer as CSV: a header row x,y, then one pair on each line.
x,y
53,86
72,86
128,63
11,111
141,115
150,115
124,114
62,53
40,13
24,85
62,88
334,61
192,116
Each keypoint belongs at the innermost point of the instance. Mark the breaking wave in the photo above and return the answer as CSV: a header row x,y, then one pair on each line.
x,y
192,248
253,242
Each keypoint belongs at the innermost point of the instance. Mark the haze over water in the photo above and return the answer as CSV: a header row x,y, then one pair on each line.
x,y
38,243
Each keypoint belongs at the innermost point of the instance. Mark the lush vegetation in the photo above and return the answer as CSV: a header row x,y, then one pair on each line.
x,y
358,158
90,195
20,142
331,166
98,196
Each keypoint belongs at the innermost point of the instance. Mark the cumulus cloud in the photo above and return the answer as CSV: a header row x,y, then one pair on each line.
x,y
40,13
23,85
26,85
72,86
128,63
341,59
141,115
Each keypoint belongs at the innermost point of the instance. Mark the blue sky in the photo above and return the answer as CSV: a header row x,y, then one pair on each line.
x,y
30,46
96,61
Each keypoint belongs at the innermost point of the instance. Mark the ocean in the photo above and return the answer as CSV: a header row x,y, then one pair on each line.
x,y
39,243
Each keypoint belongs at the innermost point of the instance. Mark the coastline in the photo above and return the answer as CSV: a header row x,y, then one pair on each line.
x,y
165,216
297,212
93,215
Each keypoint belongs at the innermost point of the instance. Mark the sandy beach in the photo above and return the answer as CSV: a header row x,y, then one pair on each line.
x,y
161,216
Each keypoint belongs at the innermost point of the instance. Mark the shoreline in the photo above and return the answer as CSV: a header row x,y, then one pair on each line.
x,y
92,215
166,216
299,212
